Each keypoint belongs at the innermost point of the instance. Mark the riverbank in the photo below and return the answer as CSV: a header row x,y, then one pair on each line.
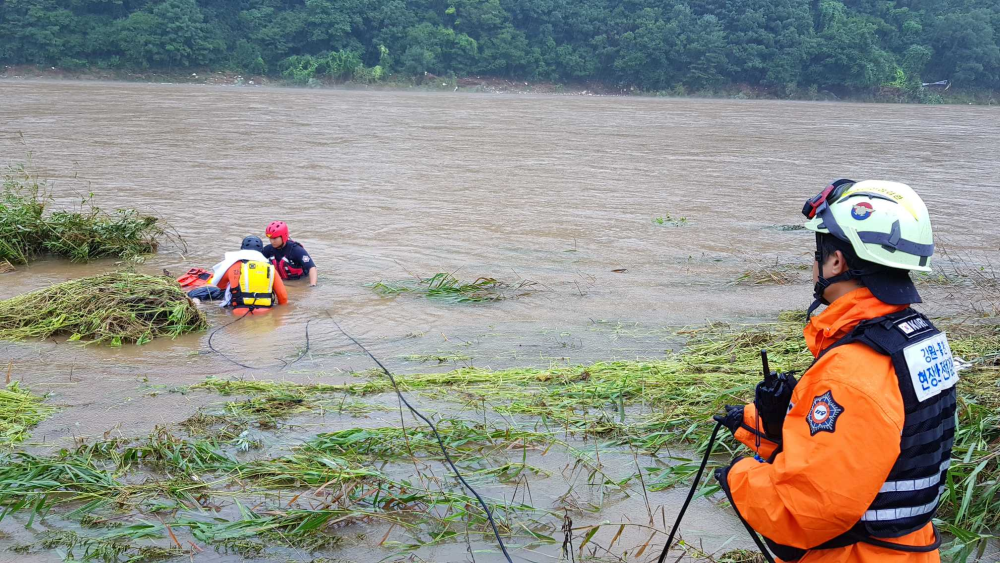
x,y
493,85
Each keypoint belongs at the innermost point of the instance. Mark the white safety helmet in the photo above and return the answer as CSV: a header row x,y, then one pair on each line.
x,y
887,226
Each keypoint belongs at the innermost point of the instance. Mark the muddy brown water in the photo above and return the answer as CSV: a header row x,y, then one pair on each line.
x,y
559,190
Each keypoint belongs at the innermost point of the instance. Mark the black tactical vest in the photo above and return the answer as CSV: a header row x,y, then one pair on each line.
x,y
910,495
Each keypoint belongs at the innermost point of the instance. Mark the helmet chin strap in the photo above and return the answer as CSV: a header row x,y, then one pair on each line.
x,y
820,288
823,283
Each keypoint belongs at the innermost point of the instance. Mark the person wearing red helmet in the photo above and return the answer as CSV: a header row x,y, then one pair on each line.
x,y
289,258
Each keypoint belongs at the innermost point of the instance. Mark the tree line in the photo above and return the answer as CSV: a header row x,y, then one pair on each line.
x,y
643,44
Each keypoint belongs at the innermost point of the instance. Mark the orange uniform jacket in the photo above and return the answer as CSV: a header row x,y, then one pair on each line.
x,y
823,481
232,279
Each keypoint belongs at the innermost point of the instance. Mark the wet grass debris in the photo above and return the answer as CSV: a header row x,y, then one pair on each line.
x,y
29,230
222,486
114,309
652,405
20,410
446,287
668,220
771,274
148,494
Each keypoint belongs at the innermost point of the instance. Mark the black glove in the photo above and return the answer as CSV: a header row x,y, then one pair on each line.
x,y
732,419
771,397
722,473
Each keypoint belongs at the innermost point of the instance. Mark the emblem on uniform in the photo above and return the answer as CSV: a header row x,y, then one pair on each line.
x,y
823,415
862,210
912,326
305,258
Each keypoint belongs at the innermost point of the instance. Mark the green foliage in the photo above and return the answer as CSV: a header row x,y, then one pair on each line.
x,y
671,221
446,287
19,411
171,34
152,488
300,69
338,65
849,51
37,31
26,231
788,46
112,547
899,81
127,492
965,46
679,393
247,58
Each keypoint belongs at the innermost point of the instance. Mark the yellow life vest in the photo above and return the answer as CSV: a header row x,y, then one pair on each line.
x,y
256,284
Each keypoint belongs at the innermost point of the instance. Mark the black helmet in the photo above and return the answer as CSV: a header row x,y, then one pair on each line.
x,y
252,243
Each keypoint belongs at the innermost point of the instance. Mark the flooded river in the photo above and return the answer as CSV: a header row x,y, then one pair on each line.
x,y
633,216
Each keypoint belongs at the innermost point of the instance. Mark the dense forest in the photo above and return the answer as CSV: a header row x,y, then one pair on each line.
x,y
785,45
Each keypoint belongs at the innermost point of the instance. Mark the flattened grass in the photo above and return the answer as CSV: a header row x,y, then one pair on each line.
x,y
19,412
653,404
298,500
334,479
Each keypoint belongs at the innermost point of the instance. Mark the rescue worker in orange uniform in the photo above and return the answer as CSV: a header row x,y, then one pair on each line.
x,y
250,282
854,471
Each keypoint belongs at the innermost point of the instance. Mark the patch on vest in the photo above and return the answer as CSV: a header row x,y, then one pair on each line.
x,y
913,326
931,366
823,415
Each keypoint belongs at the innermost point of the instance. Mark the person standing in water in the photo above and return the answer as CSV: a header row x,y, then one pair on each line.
x,y
288,257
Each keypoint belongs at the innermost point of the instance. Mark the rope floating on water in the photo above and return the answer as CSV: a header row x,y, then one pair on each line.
x,y
482,503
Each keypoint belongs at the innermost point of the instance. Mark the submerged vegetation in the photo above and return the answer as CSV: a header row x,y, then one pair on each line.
x,y
446,287
298,500
652,405
27,230
670,221
115,308
19,411
221,486
771,274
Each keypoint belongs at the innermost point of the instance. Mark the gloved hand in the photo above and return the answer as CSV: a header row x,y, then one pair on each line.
x,y
732,419
771,397
722,473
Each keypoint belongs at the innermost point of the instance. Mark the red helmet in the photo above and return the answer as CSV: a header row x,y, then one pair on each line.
x,y
277,229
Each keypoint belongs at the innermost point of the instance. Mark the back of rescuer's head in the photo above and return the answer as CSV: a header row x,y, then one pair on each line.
x,y
882,229
252,243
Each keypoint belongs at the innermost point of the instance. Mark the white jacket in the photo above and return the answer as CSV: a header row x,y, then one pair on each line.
x,y
231,258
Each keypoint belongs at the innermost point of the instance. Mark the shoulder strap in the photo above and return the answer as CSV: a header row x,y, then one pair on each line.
x,y
858,535
887,334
